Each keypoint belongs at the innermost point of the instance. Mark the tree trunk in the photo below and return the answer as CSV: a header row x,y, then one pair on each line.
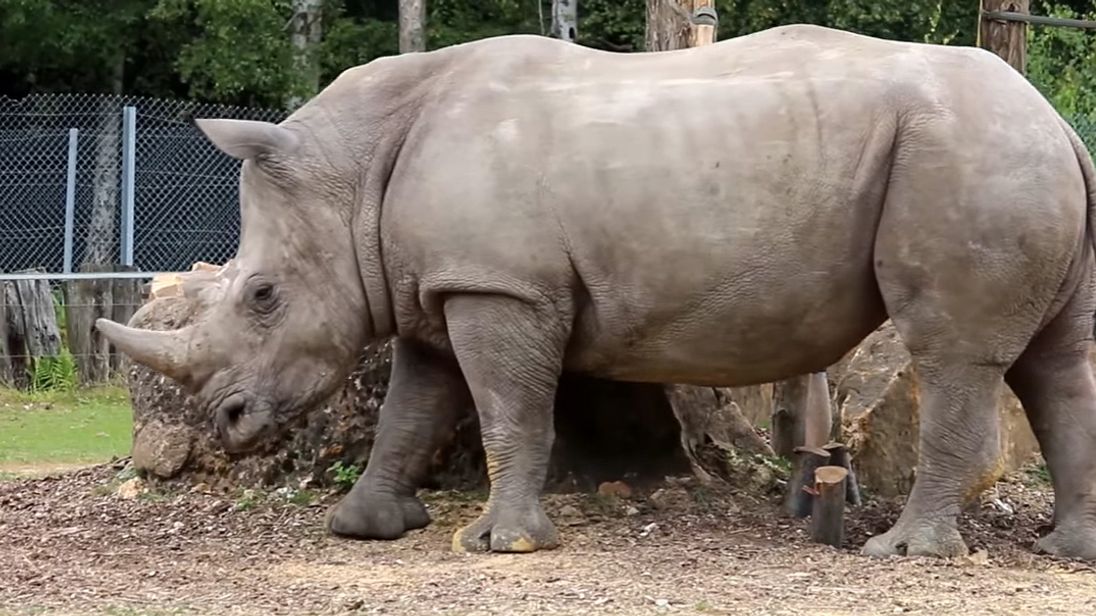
x,y
101,243
86,301
565,19
306,36
1007,39
412,25
668,24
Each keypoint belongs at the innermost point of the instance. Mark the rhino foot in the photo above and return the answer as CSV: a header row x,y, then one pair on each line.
x,y
376,516
1069,542
940,540
510,530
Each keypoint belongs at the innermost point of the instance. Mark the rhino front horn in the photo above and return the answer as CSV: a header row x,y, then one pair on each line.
x,y
164,352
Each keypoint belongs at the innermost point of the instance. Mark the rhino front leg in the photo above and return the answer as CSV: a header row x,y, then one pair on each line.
x,y
425,392
511,354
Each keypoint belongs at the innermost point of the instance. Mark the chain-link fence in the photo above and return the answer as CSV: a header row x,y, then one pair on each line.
x,y
82,184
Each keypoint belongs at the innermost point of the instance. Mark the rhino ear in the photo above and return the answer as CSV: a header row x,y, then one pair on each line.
x,y
243,139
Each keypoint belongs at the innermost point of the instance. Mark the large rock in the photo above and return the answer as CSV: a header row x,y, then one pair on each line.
x,y
877,395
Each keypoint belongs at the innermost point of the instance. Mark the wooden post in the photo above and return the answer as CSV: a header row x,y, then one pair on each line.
x,y
839,456
1006,39
800,486
705,23
828,511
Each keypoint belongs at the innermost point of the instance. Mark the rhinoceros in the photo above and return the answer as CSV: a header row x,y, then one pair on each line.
x,y
510,209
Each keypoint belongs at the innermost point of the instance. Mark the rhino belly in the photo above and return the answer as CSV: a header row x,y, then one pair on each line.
x,y
744,330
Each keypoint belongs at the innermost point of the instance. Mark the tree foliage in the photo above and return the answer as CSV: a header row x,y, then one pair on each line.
x,y
238,51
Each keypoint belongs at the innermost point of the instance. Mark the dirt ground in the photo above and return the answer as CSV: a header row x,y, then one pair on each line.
x,y
73,543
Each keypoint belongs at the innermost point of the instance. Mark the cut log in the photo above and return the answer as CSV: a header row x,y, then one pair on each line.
x,y
839,456
798,501
828,509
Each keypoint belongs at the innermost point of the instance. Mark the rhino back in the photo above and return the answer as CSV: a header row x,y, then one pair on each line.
x,y
703,203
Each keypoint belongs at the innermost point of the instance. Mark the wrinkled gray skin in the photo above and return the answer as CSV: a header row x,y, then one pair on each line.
x,y
731,214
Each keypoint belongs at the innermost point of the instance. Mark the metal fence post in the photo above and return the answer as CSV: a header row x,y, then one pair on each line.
x,y
70,197
129,143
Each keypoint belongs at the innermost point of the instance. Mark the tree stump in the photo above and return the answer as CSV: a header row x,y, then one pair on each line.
x,y
805,462
839,456
828,508
32,334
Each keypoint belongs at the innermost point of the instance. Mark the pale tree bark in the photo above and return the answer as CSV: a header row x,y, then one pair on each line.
x,y
412,25
565,19
668,24
101,245
306,35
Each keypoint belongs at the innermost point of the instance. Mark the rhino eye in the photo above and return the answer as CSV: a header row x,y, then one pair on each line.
x,y
262,297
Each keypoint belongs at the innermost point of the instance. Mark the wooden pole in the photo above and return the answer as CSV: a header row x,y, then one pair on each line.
x,y
705,22
799,496
828,511
1007,39
839,456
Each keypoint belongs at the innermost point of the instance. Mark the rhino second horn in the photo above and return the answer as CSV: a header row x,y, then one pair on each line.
x,y
164,352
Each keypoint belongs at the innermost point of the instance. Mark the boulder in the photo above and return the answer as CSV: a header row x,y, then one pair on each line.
x,y
876,395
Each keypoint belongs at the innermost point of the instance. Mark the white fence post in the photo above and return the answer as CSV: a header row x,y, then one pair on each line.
x,y
129,143
70,197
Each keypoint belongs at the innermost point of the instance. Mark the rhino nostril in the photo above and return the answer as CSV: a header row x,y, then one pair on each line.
x,y
232,411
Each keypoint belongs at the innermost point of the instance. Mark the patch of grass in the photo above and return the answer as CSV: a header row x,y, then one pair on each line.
x,y
1037,474
76,426
248,499
302,498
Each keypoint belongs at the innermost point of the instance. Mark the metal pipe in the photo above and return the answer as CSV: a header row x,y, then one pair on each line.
x,y
1039,20
129,143
70,197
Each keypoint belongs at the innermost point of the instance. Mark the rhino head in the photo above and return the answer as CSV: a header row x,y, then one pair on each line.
x,y
279,327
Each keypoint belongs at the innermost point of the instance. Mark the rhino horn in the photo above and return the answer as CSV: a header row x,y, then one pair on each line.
x,y
162,351
244,139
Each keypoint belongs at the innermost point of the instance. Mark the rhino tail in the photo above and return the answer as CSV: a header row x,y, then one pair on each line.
x,y
1088,170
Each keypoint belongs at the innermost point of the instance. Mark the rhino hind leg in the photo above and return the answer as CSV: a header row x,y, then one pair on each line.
x,y
424,396
511,353
1054,382
957,458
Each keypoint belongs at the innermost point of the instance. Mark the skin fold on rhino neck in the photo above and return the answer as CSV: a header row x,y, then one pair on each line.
x,y
360,122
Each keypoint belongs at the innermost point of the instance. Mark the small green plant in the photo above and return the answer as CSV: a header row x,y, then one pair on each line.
x,y
345,475
248,500
56,373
